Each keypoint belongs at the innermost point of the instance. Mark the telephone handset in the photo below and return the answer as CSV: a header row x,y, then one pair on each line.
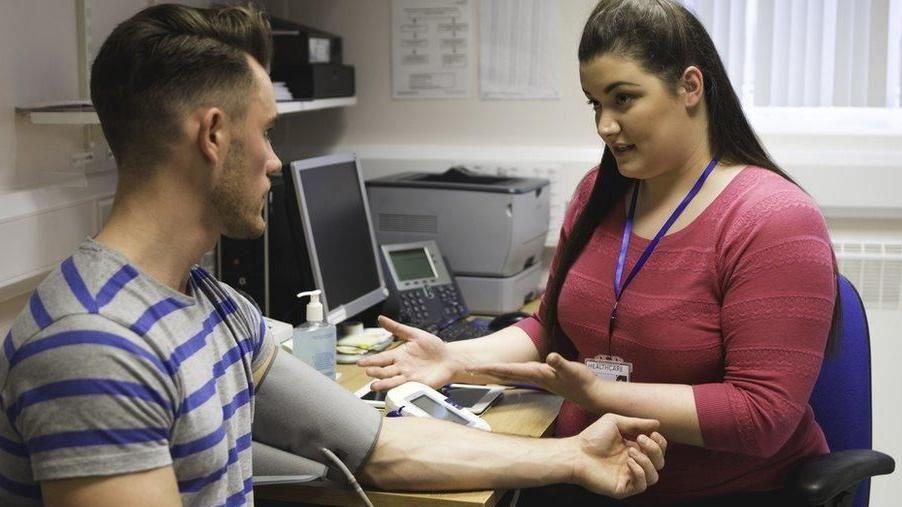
x,y
419,280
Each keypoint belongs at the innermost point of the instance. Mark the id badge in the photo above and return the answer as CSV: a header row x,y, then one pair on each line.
x,y
610,368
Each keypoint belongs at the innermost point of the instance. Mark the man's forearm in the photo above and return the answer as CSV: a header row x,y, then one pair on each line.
x,y
427,454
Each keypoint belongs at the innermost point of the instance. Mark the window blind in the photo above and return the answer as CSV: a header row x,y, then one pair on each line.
x,y
809,53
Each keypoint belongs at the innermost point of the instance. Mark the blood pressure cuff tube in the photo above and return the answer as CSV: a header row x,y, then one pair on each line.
x,y
300,411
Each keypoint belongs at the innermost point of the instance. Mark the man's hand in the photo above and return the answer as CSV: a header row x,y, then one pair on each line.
x,y
423,358
569,379
619,456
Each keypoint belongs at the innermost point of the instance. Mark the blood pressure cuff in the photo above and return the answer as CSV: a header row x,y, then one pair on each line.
x,y
272,466
299,411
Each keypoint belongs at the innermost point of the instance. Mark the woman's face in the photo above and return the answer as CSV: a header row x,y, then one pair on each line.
x,y
648,127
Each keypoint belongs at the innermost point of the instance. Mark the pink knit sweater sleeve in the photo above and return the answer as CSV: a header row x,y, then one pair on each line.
x,y
776,270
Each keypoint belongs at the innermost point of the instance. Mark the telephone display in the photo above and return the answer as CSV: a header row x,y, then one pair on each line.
x,y
412,264
417,276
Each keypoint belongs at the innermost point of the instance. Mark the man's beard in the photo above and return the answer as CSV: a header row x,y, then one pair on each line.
x,y
239,215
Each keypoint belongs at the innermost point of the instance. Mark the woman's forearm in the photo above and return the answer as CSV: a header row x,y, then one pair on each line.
x,y
509,345
672,404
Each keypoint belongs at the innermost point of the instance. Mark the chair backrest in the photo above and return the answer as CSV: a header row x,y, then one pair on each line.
x,y
842,394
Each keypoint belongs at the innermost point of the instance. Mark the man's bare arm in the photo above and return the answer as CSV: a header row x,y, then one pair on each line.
x,y
302,412
609,457
420,454
149,488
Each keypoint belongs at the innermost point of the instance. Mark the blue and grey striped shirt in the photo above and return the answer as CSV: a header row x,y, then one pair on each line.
x,y
107,371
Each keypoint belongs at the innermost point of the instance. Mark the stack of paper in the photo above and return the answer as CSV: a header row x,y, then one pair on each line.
x,y
281,92
370,341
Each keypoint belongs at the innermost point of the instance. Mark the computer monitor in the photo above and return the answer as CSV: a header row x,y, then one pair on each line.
x,y
331,224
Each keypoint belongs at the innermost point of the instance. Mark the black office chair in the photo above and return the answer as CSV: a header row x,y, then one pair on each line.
x,y
842,406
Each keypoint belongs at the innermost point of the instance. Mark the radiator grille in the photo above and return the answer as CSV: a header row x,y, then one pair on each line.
x,y
875,268
425,224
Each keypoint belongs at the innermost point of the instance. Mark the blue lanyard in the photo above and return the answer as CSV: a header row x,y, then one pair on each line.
x,y
628,230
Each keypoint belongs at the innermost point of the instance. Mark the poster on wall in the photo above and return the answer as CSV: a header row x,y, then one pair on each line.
x,y
431,49
519,49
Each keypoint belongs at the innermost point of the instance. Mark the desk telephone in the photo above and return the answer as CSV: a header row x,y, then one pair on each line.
x,y
425,291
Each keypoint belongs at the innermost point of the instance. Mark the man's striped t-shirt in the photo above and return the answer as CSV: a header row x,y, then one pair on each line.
x,y
107,371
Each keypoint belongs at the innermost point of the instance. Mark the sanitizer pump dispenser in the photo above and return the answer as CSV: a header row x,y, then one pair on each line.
x,y
314,341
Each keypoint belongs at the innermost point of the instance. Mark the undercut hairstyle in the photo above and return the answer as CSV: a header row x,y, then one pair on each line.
x,y
664,38
166,60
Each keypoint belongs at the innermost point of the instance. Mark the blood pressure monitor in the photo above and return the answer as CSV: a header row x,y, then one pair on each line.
x,y
414,399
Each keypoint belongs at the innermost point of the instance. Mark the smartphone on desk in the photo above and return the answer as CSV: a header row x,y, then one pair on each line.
x,y
374,398
475,398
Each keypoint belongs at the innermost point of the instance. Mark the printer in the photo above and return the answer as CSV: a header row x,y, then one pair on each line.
x,y
490,229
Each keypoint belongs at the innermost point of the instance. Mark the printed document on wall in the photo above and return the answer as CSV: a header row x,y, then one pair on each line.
x,y
519,44
431,49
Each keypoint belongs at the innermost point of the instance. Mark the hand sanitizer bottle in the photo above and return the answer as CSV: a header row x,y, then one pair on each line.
x,y
314,341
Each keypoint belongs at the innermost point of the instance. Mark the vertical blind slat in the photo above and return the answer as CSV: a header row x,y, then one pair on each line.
x,y
861,15
764,52
796,69
813,69
828,55
842,94
877,36
780,80
735,32
894,56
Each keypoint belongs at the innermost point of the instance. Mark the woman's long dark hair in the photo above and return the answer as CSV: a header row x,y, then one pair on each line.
x,y
664,38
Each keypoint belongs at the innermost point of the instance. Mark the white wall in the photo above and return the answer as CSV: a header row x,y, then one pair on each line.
x,y
379,120
47,204
36,64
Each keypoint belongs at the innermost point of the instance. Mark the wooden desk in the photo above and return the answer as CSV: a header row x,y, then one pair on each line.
x,y
519,412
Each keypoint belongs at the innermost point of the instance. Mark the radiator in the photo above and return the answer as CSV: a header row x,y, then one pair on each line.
x,y
875,268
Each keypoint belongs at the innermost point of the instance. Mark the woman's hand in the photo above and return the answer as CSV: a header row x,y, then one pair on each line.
x,y
569,379
619,456
423,358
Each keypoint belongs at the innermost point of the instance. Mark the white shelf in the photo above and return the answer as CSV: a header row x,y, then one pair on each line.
x,y
312,105
90,117
63,117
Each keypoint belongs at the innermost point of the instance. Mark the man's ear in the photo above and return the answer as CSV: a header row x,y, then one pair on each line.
x,y
692,86
212,138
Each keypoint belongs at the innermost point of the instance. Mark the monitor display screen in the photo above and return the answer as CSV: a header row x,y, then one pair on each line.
x,y
339,234
411,264
436,410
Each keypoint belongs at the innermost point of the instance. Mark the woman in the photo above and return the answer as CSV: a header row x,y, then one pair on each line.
x,y
687,253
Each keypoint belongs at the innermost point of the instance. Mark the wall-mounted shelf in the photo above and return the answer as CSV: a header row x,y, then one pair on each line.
x,y
297,106
83,114
68,112
63,118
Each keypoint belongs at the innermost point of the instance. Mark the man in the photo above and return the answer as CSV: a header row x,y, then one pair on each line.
x,y
133,376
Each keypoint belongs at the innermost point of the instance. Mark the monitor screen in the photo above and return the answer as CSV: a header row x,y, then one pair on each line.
x,y
436,410
339,234
411,264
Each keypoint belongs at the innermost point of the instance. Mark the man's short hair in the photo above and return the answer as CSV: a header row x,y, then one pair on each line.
x,y
167,60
